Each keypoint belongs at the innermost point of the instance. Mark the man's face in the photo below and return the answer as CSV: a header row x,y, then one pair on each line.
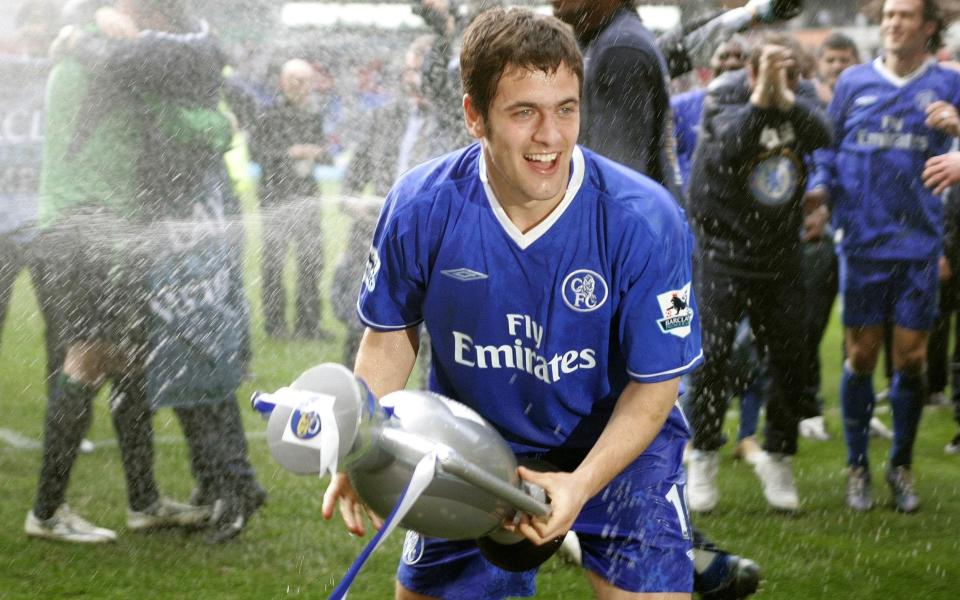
x,y
729,56
903,29
833,62
296,83
584,15
529,134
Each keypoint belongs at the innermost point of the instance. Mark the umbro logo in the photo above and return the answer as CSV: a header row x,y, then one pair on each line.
x,y
464,274
865,100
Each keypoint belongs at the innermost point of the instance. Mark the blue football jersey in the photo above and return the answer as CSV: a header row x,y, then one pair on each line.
x,y
874,171
539,331
687,109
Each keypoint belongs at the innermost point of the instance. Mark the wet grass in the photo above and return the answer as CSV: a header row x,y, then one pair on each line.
x,y
288,551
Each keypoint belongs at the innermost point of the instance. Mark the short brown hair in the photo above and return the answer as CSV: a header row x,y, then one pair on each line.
x,y
501,38
839,42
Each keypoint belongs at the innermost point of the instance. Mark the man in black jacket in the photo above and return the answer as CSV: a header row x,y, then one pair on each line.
x,y
287,141
625,109
746,204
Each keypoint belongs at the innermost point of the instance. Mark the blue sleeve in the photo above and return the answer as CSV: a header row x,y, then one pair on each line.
x,y
821,173
685,121
659,326
394,279
824,159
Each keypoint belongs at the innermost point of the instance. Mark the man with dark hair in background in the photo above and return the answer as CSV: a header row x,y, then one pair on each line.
x,y
687,107
837,54
890,117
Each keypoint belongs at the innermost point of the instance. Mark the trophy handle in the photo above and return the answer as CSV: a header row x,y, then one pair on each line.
x,y
402,444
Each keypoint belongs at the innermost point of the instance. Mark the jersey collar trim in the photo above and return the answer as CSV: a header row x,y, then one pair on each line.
x,y
523,240
896,79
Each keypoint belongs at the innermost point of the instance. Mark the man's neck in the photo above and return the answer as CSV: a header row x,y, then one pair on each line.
x,y
525,215
529,215
903,65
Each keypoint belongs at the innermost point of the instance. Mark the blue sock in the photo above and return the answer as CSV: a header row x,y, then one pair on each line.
x,y
906,399
750,403
856,404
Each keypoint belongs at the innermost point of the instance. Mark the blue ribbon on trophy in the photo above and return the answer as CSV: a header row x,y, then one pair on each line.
x,y
431,464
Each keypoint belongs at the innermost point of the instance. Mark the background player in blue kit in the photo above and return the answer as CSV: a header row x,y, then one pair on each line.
x,y
889,116
544,275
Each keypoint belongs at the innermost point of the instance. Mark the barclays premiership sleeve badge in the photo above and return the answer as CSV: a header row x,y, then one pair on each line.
x,y
677,313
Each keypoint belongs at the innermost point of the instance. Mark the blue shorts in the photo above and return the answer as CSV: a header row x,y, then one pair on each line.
x,y
637,539
876,291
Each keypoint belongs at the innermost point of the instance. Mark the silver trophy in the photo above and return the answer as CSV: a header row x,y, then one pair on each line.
x,y
464,471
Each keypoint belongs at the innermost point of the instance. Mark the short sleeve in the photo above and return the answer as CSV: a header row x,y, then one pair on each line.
x,y
393,285
955,98
659,327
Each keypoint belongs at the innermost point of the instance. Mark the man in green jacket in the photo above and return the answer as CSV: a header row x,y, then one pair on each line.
x,y
88,239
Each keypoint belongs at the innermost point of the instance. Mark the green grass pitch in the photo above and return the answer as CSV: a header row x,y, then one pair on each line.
x,y
288,551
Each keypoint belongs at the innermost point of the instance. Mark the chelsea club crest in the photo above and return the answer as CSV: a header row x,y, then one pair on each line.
x,y
305,425
774,179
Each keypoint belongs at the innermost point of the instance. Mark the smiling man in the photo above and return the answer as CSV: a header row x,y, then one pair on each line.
x,y
545,275
890,116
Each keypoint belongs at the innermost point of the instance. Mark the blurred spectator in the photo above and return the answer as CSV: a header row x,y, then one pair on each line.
x,y
198,317
330,103
687,108
88,195
23,77
747,187
396,138
837,53
287,140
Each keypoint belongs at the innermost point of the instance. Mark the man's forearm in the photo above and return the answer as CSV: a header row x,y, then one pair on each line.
x,y
637,418
385,359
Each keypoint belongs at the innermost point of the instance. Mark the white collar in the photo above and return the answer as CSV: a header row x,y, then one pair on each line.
x,y
895,79
523,240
